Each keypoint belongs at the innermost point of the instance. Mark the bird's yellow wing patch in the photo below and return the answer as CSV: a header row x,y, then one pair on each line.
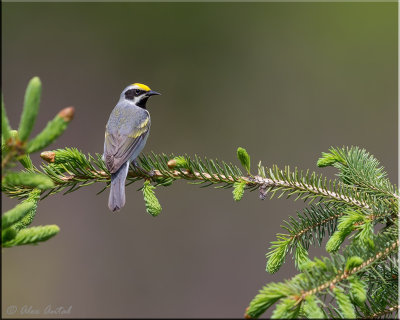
x,y
144,123
142,128
141,86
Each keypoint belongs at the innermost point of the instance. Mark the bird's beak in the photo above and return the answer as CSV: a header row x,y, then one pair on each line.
x,y
152,93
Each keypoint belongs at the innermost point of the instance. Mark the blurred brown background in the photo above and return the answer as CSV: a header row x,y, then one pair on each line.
x,y
284,80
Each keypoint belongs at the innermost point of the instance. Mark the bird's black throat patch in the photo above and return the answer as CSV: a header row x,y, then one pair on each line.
x,y
132,93
142,102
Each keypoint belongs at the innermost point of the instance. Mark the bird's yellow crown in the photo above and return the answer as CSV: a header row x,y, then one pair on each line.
x,y
141,86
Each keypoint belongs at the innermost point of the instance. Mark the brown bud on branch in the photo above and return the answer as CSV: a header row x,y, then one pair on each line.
x,y
67,113
48,156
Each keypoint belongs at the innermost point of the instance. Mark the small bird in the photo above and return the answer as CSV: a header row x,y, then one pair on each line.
x,y
127,131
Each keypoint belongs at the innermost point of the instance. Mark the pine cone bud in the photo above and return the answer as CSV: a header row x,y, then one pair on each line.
x,y
48,156
67,113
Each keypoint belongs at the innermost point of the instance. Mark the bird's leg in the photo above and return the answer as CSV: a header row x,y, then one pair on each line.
x,y
148,173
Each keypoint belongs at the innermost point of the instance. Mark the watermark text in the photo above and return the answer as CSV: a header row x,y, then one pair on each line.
x,y
28,310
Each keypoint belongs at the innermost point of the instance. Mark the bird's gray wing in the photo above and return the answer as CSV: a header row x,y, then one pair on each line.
x,y
120,144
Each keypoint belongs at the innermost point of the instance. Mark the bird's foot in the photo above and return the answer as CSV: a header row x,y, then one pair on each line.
x,y
150,173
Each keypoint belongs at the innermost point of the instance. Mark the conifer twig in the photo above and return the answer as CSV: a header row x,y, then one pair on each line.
x,y
345,275
388,310
215,175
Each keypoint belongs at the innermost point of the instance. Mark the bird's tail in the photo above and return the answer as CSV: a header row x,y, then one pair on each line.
x,y
116,199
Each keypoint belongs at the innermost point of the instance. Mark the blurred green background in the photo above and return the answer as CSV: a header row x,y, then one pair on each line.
x,y
284,80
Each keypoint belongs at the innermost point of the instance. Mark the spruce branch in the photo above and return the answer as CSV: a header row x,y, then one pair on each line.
x,y
344,276
387,312
312,309
81,171
33,200
19,218
310,228
14,215
52,131
30,182
32,235
310,186
321,276
27,179
356,166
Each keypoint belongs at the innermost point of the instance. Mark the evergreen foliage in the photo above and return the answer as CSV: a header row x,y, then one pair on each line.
x,y
238,190
152,205
357,213
244,158
31,108
15,148
32,235
345,284
17,213
52,131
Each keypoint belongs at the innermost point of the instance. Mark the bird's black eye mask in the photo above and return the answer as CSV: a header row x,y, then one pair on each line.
x,y
132,93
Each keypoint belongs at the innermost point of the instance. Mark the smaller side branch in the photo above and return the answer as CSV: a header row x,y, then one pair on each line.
x,y
386,311
315,225
345,275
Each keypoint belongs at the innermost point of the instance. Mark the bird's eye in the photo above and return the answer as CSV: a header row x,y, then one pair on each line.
x,y
137,92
